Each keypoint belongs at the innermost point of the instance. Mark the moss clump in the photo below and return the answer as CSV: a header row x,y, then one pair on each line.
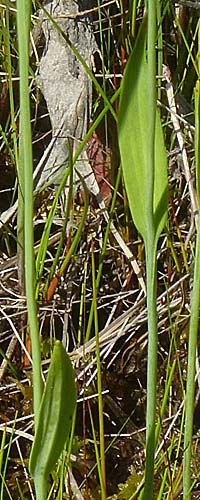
x,y
127,489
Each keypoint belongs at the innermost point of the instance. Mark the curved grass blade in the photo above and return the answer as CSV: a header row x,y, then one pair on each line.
x,y
55,417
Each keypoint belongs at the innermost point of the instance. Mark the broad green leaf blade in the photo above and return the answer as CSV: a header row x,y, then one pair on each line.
x,y
55,417
133,143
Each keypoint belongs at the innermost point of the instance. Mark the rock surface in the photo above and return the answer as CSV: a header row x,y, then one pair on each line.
x,y
63,81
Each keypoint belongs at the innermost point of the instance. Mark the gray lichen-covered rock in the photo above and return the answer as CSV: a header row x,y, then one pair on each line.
x,y
63,81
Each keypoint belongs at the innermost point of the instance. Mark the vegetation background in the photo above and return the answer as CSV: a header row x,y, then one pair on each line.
x,y
88,289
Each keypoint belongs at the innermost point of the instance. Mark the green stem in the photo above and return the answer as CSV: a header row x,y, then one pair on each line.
x,y
25,158
150,245
194,323
189,402
151,374
99,385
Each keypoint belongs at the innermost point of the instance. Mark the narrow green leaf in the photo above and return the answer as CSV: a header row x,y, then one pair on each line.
x,y
194,324
197,135
133,142
55,417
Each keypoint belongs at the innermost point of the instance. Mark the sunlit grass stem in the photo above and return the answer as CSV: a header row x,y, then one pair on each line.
x,y
190,389
25,159
194,324
99,385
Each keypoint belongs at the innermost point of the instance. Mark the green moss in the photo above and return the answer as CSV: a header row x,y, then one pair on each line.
x,y
127,489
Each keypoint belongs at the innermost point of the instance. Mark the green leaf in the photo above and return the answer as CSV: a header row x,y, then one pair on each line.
x,y
133,142
55,417
197,135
